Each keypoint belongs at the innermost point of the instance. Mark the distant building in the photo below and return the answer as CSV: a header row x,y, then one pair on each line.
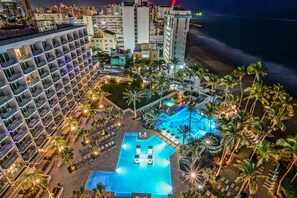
x,y
111,9
105,41
176,27
136,23
119,57
59,18
106,22
27,8
146,51
162,10
12,9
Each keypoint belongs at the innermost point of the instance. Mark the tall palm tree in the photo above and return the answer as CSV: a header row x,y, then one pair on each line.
x,y
72,123
191,108
151,118
208,112
68,155
258,70
213,82
183,131
228,82
84,134
29,180
162,83
262,128
249,174
81,193
58,143
265,151
240,72
289,153
99,191
86,107
133,97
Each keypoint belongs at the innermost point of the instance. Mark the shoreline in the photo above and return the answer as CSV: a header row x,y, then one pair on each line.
x,y
218,64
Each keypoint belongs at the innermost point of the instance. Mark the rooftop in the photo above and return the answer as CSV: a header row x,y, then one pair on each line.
x,y
24,33
109,32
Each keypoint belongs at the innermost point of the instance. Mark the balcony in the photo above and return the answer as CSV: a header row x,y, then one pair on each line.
x,y
53,103
59,119
61,96
9,112
70,67
64,42
25,101
67,90
50,58
33,122
65,81
56,113
46,122
7,164
63,72
59,54
4,99
61,63
75,37
50,94
56,78
44,112
19,90
70,39
25,145
47,84
41,64
72,48
2,83
44,74
21,133
37,51
41,140
36,92
15,77
68,59
73,56
29,154
11,62
47,48
29,69
33,82
57,44
40,102
82,43
71,76
58,87
5,149
53,68
3,136
83,50
29,112
77,45
37,131
66,51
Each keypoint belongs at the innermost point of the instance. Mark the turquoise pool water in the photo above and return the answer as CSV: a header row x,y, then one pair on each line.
x,y
142,178
199,124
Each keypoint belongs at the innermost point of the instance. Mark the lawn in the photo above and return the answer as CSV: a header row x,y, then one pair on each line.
x,y
116,90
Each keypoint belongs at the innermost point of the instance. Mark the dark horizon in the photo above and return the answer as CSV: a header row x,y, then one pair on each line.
x,y
252,8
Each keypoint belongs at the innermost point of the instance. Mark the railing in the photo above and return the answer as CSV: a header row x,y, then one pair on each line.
x,y
29,112
11,61
5,149
33,122
41,63
24,101
36,92
25,145
10,112
10,161
19,90
15,76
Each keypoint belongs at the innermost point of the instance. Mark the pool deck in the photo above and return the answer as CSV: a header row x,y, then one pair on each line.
x,y
107,162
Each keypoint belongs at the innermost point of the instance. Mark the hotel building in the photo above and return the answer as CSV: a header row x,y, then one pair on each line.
x,y
42,77
176,27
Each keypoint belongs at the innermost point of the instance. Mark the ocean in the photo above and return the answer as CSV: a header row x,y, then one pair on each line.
x,y
244,40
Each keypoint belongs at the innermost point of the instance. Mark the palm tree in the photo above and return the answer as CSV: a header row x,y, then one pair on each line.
x,y
72,123
79,193
29,180
213,82
262,128
189,194
84,134
133,97
151,118
289,153
249,174
161,85
258,69
109,109
191,108
86,107
68,155
240,72
58,143
265,151
175,61
99,191
208,112
228,82
183,131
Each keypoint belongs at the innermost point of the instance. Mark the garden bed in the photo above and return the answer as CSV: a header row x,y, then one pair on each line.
x,y
116,96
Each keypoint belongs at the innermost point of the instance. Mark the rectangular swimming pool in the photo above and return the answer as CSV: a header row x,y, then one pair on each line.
x,y
142,178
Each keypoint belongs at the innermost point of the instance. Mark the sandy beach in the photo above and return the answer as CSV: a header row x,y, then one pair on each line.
x,y
197,53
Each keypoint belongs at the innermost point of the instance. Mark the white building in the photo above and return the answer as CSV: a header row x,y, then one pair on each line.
x,y
42,77
59,18
136,23
176,27
112,23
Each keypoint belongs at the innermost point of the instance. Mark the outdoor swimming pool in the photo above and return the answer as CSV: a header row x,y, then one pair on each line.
x,y
199,124
170,102
143,178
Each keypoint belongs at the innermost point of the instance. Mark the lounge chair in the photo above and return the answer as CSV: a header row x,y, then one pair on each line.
x,y
150,150
219,187
222,179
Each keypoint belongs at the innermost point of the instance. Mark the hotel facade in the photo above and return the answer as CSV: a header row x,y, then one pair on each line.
x,y
42,77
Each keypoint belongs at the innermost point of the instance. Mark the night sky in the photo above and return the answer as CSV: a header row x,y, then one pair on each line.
x,y
253,8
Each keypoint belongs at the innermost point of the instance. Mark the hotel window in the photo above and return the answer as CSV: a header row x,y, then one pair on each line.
x,y
4,57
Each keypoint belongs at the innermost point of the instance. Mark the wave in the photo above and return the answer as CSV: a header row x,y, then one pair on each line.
x,y
277,73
